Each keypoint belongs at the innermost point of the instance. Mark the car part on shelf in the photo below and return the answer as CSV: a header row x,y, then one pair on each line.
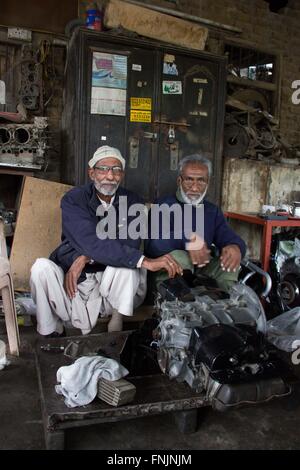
x,y
24,145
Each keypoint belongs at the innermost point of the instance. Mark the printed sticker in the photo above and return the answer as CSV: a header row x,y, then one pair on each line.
x,y
109,70
108,101
170,69
200,80
141,103
140,116
200,96
169,58
172,88
137,67
198,113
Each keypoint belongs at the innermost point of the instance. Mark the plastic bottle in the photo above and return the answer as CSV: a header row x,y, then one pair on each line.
x,y
94,19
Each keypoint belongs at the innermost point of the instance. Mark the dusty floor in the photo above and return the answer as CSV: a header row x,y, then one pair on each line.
x,y
273,425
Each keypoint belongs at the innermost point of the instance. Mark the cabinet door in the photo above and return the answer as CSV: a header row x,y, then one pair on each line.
x,y
187,118
141,139
127,126
158,105
107,92
182,94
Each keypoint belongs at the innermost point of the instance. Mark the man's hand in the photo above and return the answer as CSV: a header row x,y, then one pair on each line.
x,y
230,258
71,278
198,251
166,262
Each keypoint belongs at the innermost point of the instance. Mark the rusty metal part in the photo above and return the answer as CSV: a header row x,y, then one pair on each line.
x,y
171,123
252,98
236,140
24,145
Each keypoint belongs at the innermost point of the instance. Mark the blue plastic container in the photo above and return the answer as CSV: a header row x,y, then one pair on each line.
x,y
94,19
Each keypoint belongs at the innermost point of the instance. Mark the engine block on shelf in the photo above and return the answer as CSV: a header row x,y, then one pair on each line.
x,y
24,145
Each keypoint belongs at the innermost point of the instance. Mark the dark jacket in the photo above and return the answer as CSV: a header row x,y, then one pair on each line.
x,y
216,231
79,237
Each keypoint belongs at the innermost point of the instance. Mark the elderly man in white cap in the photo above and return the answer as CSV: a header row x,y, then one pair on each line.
x,y
87,276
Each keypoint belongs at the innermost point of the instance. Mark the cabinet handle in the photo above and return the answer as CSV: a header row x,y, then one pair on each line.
x,y
183,124
150,135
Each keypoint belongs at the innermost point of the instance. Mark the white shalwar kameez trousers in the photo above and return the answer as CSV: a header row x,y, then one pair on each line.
x,y
119,289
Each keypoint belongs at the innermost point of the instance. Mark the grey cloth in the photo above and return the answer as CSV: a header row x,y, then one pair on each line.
x,y
78,382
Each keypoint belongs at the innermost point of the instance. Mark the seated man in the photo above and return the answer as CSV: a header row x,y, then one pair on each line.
x,y
194,249
89,274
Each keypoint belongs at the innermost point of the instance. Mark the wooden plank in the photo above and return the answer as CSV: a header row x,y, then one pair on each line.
x,y
155,25
38,227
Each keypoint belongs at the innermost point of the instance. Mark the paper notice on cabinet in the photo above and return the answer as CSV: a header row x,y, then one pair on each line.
x,y
2,92
140,116
137,67
172,87
108,101
141,103
109,70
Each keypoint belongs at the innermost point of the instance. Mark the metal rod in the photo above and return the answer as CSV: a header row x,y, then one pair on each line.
x,y
172,123
248,264
186,16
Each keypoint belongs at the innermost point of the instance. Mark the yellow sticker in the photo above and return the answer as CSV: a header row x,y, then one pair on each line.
x,y
140,116
169,58
141,103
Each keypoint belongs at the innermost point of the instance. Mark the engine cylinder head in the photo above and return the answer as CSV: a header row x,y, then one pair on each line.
x,y
5,135
22,135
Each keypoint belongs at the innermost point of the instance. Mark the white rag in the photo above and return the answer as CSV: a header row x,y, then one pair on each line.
x,y
78,382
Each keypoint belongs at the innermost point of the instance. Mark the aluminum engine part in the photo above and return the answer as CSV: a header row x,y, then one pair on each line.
x,y
24,145
178,320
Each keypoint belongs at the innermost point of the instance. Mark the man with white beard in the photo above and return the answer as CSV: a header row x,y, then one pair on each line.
x,y
194,249
87,276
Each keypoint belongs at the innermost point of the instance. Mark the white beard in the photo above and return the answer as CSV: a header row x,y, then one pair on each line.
x,y
194,202
103,190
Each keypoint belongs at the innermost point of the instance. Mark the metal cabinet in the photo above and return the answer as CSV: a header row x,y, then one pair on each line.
x,y
155,102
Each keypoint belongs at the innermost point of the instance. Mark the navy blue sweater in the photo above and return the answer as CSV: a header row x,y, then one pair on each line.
x,y
216,231
79,237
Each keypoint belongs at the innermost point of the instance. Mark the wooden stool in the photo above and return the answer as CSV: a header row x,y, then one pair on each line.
x,y
7,293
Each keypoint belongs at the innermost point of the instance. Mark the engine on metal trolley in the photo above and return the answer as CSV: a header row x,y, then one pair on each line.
x,y
212,340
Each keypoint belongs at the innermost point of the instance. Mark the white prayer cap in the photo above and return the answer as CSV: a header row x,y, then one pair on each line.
x,y
106,152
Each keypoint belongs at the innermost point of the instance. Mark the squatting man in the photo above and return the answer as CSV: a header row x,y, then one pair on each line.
x,y
87,276
192,184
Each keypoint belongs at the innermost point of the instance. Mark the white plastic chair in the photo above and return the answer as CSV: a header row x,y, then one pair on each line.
x,y
7,293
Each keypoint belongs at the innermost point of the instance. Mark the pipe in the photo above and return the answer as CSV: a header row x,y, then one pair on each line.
x,y
186,16
248,264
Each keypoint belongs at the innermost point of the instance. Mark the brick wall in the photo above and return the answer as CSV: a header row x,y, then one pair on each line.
x,y
277,32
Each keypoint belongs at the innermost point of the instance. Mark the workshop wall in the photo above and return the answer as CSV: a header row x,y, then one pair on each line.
x,y
247,185
276,31
48,15
50,51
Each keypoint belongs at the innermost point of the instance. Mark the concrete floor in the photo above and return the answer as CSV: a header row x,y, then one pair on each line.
x,y
273,425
